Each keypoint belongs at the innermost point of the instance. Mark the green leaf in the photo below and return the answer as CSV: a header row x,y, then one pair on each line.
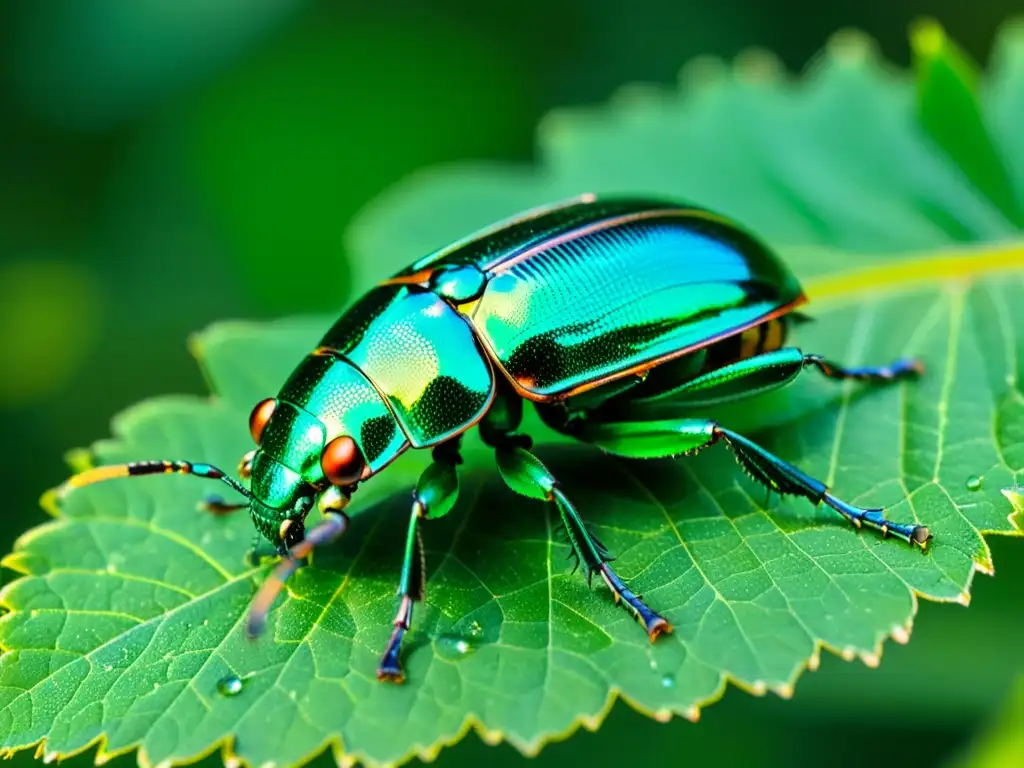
x,y
1003,744
129,611
950,112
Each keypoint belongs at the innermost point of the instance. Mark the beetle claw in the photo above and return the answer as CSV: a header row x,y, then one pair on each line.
x,y
391,675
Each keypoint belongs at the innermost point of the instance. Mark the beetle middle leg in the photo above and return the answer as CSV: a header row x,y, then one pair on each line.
x,y
525,474
436,493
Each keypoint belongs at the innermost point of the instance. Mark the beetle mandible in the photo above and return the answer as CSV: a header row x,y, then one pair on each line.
x,y
592,308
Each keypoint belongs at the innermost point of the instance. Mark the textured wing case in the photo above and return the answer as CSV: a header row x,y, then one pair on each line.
x,y
622,295
506,238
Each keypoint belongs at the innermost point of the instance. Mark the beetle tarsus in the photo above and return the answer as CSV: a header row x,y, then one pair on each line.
x,y
912,533
654,624
905,367
390,668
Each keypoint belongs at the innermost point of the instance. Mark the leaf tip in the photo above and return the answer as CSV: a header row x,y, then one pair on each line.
x,y
784,691
692,713
492,737
758,65
702,72
870,659
79,459
927,37
1016,498
851,47
900,634
196,345
50,501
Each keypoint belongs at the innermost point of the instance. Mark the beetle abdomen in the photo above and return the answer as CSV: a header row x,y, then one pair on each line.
x,y
625,294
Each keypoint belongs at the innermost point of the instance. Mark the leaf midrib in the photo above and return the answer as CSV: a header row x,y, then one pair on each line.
x,y
953,265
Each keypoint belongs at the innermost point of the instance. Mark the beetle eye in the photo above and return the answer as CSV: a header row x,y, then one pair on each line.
x,y
260,416
342,461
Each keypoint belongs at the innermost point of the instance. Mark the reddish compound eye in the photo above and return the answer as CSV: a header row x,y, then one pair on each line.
x,y
342,461
260,416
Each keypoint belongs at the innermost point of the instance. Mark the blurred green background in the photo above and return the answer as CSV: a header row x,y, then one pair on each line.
x,y
168,163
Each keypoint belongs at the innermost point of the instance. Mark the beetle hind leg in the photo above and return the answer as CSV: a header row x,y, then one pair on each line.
x,y
903,368
664,438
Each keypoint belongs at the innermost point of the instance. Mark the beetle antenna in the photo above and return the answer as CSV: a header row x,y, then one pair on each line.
x,y
98,474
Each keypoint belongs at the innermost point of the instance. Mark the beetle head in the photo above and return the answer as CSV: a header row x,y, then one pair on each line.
x,y
292,466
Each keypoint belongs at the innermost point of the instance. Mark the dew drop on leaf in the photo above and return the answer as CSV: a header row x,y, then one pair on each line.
x,y
453,647
476,629
230,685
668,682
973,483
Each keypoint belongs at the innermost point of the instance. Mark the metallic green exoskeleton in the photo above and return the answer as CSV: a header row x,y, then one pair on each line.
x,y
594,309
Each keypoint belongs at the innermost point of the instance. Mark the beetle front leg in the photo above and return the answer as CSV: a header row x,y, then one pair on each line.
x,y
330,528
526,475
411,588
435,495
659,439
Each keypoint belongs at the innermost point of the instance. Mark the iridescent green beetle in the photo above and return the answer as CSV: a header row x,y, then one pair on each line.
x,y
593,309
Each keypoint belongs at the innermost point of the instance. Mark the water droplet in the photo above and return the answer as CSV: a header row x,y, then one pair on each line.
x,y
231,685
453,647
973,483
476,629
108,667
668,682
